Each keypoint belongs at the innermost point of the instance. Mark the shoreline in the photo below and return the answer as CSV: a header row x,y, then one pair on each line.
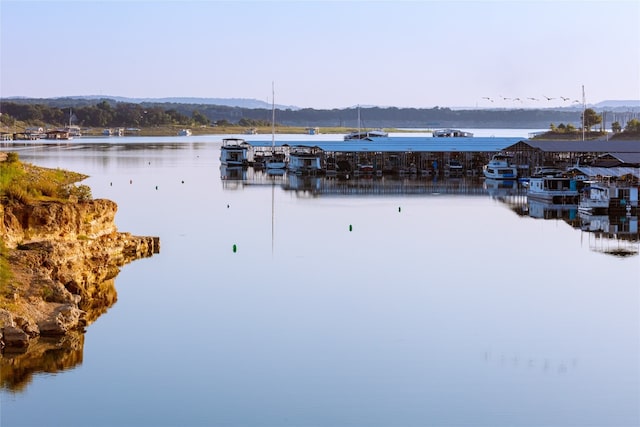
x,y
58,258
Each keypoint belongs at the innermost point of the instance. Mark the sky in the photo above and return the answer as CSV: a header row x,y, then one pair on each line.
x,y
325,54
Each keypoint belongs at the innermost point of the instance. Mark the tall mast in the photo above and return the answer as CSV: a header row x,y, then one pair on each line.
x,y
273,117
584,108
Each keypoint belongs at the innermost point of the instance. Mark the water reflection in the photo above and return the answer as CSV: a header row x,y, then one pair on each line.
x,y
387,324
613,235
235,178
45,354
546,210
531,363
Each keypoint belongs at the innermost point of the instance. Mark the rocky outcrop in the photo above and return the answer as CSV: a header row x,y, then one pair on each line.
x,y
63,257
32,222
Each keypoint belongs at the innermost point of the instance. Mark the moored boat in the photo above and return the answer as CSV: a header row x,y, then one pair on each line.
x,y
451,133
233,152
276,161
454,167
553,189
366,134
500,168
594,199
305,160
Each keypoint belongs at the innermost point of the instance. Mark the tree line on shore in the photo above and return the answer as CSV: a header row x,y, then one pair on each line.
x,y
109,113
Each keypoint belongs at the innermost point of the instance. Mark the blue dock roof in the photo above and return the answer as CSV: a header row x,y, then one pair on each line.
x,y
403,144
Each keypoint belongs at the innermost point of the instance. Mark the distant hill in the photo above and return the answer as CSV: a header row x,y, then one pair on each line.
x,y
621,105
228,102
233,110
618,104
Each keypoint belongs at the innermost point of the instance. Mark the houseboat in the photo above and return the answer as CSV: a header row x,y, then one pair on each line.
x,y
275,161
451,133
553,189
454,168
113,132
623,198
305,160
594,199
58,134
500,168
378,133
74,131
234,152
609,196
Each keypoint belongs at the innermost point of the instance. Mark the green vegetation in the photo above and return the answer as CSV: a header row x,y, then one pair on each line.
x,y
568,132
24,182
633,127
590,118
109,113
165,118
5,270
103,114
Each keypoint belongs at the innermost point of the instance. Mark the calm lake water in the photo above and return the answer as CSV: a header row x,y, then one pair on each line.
x,y
414,308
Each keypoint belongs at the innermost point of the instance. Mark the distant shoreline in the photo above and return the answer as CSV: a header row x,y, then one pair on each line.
x,y
234,130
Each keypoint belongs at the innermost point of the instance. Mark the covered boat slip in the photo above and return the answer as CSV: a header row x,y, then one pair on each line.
x,y
402,154
428,155
397,144
566,153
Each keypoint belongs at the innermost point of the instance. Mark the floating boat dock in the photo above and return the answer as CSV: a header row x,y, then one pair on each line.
x,y
401,155
436,156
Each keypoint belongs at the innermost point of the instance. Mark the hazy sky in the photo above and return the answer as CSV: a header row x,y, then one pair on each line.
x,y
324,54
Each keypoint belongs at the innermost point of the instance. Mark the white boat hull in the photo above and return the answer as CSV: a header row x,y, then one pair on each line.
x,y
553,190
502,173
499,168
275,165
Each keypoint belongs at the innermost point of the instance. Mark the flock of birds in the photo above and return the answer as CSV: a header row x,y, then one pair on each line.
x,y
548,98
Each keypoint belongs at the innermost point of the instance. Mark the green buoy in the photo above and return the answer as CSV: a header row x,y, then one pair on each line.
x,y
350,227
235,248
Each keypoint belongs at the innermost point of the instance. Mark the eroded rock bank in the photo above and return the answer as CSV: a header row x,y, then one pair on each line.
x,y
63,258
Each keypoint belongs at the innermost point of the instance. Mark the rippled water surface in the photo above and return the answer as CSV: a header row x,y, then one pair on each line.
x,y
446,307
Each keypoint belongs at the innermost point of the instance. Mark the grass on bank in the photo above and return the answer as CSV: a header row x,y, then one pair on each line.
x,y
27,183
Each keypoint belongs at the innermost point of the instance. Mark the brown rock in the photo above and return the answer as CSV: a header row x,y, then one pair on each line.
x,y
15,337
